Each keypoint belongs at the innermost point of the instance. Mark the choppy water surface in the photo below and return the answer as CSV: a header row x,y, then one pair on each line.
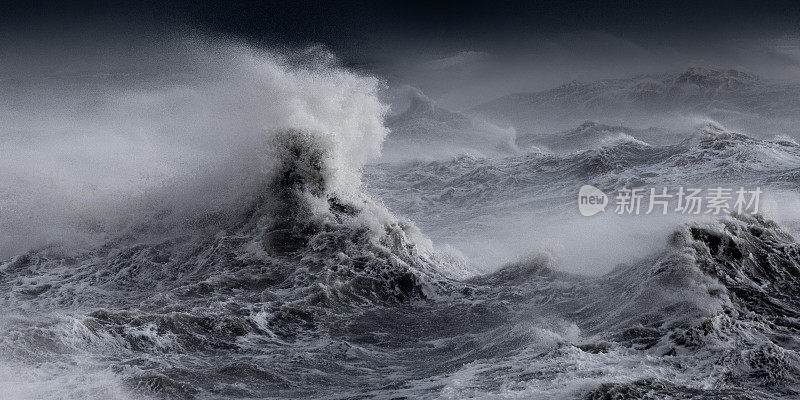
x,y
490,285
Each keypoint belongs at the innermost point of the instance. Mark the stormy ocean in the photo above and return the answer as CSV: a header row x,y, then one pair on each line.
x,y
206,217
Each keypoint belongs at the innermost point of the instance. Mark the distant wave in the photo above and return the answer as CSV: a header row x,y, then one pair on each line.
x,y
671,101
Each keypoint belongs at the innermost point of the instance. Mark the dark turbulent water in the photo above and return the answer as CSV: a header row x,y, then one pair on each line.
x,y
288,301
306,290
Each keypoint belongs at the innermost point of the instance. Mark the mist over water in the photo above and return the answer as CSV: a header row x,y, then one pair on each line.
x,y
95,154
209,218
89,152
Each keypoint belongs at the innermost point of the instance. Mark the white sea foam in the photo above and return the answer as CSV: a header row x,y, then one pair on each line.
x,y
83,160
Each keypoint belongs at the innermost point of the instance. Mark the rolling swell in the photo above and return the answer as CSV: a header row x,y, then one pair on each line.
x,y
730,310
713,316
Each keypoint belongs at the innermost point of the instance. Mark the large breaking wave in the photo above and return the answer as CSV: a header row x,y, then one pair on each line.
x,y
237,254
101,153
245,175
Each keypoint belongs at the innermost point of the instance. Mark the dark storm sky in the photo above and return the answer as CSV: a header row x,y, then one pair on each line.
x,y
359,28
